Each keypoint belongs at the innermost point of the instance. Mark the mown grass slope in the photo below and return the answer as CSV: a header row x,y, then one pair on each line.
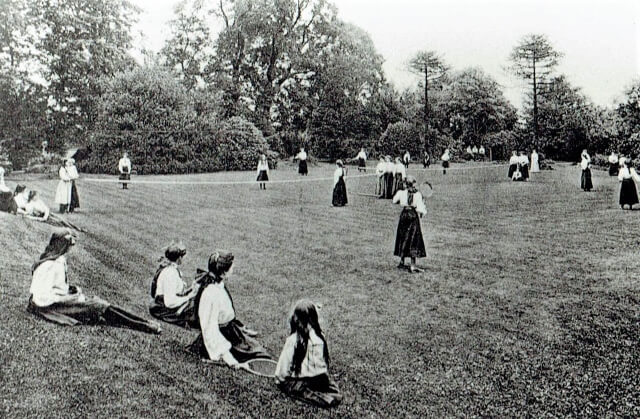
x,y
528,304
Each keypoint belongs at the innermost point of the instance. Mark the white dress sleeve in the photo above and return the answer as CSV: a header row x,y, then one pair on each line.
x,y
208,313
64,175
286,359
418,202
397,198
170,284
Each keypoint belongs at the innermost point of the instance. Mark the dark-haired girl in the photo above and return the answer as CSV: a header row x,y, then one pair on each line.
x,y
55,300
585,178
339,198
409,242
628,191
222,337
303,367
173,302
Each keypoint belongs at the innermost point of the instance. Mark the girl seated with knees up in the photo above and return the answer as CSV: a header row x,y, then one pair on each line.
x,y
55,300
303,368
222,336
172,302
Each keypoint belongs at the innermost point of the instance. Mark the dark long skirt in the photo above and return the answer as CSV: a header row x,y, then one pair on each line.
x,y
92,311
525,171
7,203
628,192
124,177
613,169
75,199
183,316
320,390
362,163
262,176
445,164
398,183
409,242
243,347
512,169
388,182
302,167
340,194
585,181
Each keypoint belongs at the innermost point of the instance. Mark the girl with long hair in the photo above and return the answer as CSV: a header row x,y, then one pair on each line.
x,y
409,242
222,336
303,367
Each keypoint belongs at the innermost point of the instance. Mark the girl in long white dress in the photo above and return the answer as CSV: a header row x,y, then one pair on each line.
x,y
63,191
535,164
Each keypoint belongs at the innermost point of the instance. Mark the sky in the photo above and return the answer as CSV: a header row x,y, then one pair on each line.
x,y
600,40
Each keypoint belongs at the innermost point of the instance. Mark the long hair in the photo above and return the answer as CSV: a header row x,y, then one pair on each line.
x,y
59,244
304,318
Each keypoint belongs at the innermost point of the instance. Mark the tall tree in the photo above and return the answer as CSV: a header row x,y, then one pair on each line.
x,y
82,40
432,67
534,59
189,49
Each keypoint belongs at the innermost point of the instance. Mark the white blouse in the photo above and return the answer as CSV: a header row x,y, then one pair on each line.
x,y
215,309
64,174
337,174
445,156
400,169
21,201
37,208
169,285
514,160
381,168
301,155
124,165
524,159
263,165
402,197
362,155
585,161
626,173
613,159
313,363
73,172
49,282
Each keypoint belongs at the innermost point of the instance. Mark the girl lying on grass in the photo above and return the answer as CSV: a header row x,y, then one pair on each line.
x,y
222,336
303,367
54,299
173,302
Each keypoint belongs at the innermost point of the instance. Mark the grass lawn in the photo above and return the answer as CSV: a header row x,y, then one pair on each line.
x,y
528,304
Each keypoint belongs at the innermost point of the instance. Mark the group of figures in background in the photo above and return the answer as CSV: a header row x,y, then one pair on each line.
x,y
520,166
475,153
623,168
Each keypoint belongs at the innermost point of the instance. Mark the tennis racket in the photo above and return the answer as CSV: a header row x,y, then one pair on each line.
x,y
261,366
427,189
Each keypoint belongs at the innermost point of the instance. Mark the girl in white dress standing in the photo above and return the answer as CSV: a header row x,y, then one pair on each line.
x,y
63,191
263,172
445,161
535,163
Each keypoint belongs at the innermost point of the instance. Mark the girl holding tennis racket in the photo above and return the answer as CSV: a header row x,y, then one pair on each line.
x,y
409,242
303,368
222,336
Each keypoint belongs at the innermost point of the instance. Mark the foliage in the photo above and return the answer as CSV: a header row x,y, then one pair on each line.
x,y
400,137
166,129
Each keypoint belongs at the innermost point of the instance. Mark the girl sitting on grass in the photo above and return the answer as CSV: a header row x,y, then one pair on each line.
x,y
54,299
222,336
173,302
303,368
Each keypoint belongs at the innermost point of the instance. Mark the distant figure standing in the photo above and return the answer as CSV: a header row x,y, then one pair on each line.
x,y
380,169
339,198
389,171
535,164
6,196
474,151
585,164
628,192
481,152
406,159
445,161
74,202
263,172
362,160
469,152
614,166
513,164
524,165
409,241
399,176
124,166
426,160
63,191
302,162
